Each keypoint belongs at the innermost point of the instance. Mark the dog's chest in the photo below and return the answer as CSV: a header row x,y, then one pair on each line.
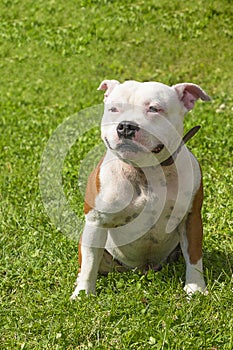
x,y
139,235
143,211
136,197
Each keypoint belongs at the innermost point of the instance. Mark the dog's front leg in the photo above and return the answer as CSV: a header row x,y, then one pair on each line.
x,y
191,245
194,280
92,249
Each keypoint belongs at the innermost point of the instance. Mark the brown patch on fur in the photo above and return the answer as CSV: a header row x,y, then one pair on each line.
x,y
93,188
195,229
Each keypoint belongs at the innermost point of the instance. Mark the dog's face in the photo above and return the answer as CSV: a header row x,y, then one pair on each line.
x,y
143,122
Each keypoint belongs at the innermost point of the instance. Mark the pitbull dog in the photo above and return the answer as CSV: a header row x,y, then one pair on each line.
x,y
144,198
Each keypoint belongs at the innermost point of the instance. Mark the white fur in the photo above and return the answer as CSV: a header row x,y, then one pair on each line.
x,y
138,221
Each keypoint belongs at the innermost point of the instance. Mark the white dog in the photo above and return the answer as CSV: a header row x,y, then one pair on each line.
x,y
144,198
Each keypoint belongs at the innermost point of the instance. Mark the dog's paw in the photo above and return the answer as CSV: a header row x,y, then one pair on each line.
x,y
82,289
77,294
77,290
192,288
74,296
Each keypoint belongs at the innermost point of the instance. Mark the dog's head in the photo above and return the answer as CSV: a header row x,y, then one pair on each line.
x,y
143,122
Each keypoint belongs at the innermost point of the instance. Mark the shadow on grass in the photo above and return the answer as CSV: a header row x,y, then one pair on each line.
x,y
218,265
217,271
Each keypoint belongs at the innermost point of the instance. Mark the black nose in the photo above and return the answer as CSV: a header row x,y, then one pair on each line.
x,y
127,130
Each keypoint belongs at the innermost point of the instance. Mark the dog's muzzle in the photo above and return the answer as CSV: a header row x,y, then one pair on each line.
x,y
127,130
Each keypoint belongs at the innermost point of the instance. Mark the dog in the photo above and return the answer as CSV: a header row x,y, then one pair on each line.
x,y
144,198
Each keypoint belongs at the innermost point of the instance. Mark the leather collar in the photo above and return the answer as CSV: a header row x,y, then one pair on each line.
x,y
170,160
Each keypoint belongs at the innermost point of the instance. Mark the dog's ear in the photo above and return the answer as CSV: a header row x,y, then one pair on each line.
x,y
108,86
188,93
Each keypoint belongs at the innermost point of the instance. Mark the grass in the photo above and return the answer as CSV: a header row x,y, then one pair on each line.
x,y
53,57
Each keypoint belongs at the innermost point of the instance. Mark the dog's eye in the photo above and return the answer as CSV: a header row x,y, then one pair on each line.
x,y
153,109
113,110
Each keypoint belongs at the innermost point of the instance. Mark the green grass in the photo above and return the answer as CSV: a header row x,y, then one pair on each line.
x,y
53,56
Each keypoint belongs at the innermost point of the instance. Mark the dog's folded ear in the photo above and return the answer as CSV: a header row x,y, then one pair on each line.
x,y
108,86
188,93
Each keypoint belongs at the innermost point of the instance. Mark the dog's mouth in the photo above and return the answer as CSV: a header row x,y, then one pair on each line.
x,y
158,148
129,146
126,146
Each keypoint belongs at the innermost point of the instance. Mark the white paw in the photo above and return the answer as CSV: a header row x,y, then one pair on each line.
x,y
75,294
85,287
192,288
77,291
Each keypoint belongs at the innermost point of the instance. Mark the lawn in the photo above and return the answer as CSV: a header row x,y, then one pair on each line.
x,y
53,56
